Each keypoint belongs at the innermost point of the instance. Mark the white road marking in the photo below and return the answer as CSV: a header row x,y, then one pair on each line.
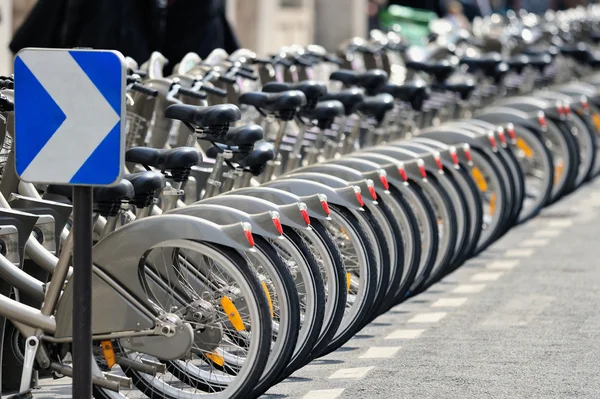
x,y
433,317
548,233
324,394
518,253
560,223
405,334
353,373
449,302
380,352
492,276
469,289
534,243
502,265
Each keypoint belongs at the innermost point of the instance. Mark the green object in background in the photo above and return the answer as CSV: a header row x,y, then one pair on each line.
x,y
411,23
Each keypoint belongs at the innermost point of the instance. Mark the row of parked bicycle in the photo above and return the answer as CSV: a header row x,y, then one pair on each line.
x,y
275,206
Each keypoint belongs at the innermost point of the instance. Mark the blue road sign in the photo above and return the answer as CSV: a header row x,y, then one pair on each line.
x,y
70,116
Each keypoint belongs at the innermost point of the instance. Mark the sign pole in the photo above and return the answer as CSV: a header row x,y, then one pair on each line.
x,y
82,291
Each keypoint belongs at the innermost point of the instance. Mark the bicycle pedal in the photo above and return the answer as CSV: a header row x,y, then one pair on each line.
x,y
23,395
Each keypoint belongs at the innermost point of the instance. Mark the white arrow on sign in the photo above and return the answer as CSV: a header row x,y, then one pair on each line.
x,y
89,117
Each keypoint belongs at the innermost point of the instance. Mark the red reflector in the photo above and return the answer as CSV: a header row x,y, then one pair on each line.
x,y
542,120
501,135
438,162
492,139
305,216
421,165
568,109
248,232
325,206
360,199
585,103
454,156
278,225
373,192
560,108
511,131
403,173
384,181
468,154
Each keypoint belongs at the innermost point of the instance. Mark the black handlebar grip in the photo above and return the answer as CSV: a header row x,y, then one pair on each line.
x,y
7,84
214,90
227,79
191,93
144,90
246,75
262,60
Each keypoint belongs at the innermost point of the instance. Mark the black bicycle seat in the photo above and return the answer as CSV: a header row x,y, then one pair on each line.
x,y
579,52
274,102
145,185
463,87
256,161
377,106
243,136
119,192
518,63
215,115
540,62
349,98
311,89
325,112
372,79
173,159
346,76
413,92
440,70
486,63
535,51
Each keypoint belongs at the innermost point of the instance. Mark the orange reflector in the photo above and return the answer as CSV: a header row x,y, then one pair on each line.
x,y
232,314
596,120
493,204
523,146
268,294
109,353
479,179
347,282
558,170
215,358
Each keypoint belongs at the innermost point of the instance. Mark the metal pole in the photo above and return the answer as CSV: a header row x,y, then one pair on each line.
x,y
82,291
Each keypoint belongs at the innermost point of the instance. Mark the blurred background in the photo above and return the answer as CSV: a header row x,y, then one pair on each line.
x,y
137,27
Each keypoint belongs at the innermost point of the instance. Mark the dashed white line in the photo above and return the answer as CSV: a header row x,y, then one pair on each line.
x,y
324,394
380,352
468,288
492,276
449,302
432,317
560,223
518,253
547,233
502,265
405,334
352,373
534,243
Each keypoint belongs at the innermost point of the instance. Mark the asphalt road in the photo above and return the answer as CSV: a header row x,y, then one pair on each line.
x,y
519,321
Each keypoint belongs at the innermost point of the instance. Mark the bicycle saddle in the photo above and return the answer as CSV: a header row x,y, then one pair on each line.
x,y
311,89
145,184
349,98
173,159
119,192
377,106
256,161
518,63
215,115
440,70
283,102
346,76
414,92
372,79
243,136
579,52
463,87
486,63
325,112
